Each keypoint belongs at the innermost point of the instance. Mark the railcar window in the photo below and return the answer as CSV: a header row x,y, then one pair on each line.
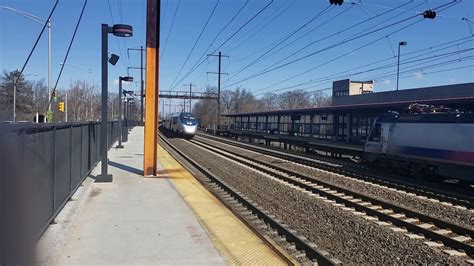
x,y
187,116
376,132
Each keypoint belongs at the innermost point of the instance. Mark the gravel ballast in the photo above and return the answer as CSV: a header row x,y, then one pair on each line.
x,y
345,236
462,217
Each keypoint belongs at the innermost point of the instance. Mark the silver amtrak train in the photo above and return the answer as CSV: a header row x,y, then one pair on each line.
x,y
182,123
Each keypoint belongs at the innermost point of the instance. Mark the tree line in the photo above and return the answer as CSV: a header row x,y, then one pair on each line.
x,y
83,100
242,100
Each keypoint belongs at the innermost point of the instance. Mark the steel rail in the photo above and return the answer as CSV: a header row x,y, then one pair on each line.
x,y
301,244
373,178
323,188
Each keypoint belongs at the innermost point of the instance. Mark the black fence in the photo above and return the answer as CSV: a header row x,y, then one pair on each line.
x,y
41,166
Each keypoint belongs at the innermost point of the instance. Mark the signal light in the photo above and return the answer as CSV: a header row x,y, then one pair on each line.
x,y
336,2
61,106
429,14
53,95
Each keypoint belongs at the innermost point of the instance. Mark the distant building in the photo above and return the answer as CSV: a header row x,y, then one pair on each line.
x,y
349,87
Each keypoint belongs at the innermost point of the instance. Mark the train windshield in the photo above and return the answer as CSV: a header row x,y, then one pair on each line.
x,y
188,118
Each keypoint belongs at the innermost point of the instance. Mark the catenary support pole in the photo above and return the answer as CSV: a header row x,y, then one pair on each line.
x,y
219,73
152,87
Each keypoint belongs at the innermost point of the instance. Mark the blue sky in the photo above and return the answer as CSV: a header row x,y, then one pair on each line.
x,y
280,19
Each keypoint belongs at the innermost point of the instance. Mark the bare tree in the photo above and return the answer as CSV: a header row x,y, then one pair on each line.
x,y
294,99
320,100
269,101
205,110
40,96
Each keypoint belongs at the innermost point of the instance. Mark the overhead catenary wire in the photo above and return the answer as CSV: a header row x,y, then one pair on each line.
x,y
288,36
305,91
227,40
195,42
203,55
164,15
338,33
346,73
119,7
454,2
278,12
116,41
310,31
388,74
170,30
452,43
68,50
36,42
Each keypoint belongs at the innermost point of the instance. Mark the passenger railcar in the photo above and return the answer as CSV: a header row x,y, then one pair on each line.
x,y
441,144
185,124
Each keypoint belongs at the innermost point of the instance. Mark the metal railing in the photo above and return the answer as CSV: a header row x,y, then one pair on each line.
x,y
41,166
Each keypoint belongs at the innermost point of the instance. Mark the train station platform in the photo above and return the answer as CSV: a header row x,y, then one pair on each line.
x,y
323,145
168,219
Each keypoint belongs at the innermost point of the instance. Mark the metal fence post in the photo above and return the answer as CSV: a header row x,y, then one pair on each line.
x,y
70,158
82,140
53,168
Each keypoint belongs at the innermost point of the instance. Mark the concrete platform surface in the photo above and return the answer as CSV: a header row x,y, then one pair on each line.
x,y
136,220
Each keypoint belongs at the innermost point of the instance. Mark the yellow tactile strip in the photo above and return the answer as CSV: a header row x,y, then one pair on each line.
x,y
231,237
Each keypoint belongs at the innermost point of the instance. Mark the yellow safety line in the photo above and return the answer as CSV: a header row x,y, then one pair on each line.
x,y
230,236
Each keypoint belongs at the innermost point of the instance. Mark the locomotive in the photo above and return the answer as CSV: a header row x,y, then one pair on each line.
x,y
185,124
440,144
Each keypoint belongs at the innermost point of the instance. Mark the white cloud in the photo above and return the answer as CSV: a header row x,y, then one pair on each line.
x,y
419,75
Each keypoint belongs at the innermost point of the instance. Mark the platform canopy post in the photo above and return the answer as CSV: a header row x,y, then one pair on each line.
x,y
152,77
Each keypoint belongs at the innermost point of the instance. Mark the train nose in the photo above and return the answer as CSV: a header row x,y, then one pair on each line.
x,y
189,129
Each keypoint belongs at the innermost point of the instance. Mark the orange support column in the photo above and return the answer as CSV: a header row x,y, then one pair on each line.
x,y
150,155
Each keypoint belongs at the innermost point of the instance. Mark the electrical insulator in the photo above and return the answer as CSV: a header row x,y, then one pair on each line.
x,y
336,2
430,14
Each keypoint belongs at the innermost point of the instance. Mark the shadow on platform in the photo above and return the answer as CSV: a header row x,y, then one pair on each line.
x,y
127,168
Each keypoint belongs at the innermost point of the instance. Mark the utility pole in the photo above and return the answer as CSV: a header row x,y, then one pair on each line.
x,y
219,73
65,107
150,152
190,96
141,77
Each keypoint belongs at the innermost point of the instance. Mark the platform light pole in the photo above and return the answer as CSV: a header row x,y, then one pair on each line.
x,y
126,79
400,44
119,30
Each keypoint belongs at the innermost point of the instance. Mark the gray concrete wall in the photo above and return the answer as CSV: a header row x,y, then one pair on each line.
x,y
438,92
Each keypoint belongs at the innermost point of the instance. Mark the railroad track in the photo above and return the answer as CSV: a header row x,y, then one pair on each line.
x,y
454,238
301,244
335,166
344,161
